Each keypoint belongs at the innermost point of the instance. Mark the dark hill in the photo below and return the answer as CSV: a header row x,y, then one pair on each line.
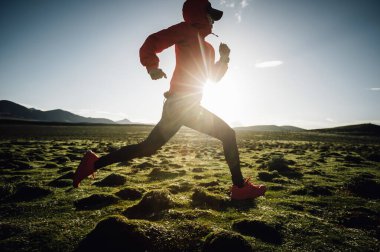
x,y
14,111
271,128
367,129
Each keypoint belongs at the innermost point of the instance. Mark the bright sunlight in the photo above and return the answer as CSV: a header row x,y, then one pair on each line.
x,y
221,99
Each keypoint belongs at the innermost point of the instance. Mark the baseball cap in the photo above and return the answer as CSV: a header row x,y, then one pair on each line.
x,y
214,13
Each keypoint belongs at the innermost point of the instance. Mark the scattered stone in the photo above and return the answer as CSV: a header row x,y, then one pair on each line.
x,y
198,169
145,165
294,206
69,175
174,165
28,192
51,165
353,159
258,229
276,188
279,163
190,214
6,190
117,233
8,230
202,198
158,173
226,241
130,193
268,176
198,177
60,183
152,204
375,157
112,180
21,165
65,169
364,186
181,187
61,160
95,201
209,184
314,190
73,157
360,221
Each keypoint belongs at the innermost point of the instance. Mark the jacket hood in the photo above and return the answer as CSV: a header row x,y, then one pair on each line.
x,y
195,13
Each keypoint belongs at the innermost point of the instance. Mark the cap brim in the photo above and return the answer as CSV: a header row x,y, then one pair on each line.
x,y
214,13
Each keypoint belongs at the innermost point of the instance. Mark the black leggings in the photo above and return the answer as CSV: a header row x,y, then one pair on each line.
x,y
181,111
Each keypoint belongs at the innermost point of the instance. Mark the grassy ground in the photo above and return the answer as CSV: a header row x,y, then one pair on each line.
x,y
323,192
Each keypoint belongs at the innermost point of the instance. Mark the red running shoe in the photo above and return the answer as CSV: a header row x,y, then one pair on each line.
x,y
85,168
248,191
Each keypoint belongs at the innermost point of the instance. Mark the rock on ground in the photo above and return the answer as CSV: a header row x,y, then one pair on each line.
x,y
95,201
112,180
150,205
226,241
258,229
117,233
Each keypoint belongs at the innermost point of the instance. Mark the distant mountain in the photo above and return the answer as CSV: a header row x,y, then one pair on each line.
x,y
271,128
367,129
124,121
14,111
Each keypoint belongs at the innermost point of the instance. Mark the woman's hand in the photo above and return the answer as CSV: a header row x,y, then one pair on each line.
x,y
157,73
224,50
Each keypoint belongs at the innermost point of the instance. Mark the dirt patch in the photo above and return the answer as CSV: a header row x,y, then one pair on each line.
x,y
364,185
226,241
258,229
112,180
28,192
95,201
130,193
150,205
204,199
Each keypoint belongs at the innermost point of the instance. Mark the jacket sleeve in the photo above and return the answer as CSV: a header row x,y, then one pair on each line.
x,y
156,43
216,69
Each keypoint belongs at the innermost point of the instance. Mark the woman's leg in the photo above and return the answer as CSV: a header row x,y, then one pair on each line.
x,y
206,122
161,133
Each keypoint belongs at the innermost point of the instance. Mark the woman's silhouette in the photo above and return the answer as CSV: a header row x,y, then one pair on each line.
x,y
195,64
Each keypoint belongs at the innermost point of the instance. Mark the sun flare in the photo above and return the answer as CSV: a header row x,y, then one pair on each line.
x,y
221,99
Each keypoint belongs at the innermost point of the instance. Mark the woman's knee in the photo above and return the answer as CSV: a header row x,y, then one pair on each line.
x,y
149,149
228,135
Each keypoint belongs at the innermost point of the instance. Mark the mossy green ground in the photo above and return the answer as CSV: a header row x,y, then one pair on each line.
x,y
314,200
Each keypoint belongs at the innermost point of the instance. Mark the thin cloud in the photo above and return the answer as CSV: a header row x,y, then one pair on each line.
x,y
244,3
237,5
272,63
375,89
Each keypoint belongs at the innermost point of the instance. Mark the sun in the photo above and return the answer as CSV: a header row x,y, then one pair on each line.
x,y
221,99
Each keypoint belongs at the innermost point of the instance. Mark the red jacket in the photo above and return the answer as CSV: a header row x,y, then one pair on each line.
x,y
195,58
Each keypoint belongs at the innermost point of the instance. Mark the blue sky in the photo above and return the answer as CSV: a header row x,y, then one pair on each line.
x,y
293,62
